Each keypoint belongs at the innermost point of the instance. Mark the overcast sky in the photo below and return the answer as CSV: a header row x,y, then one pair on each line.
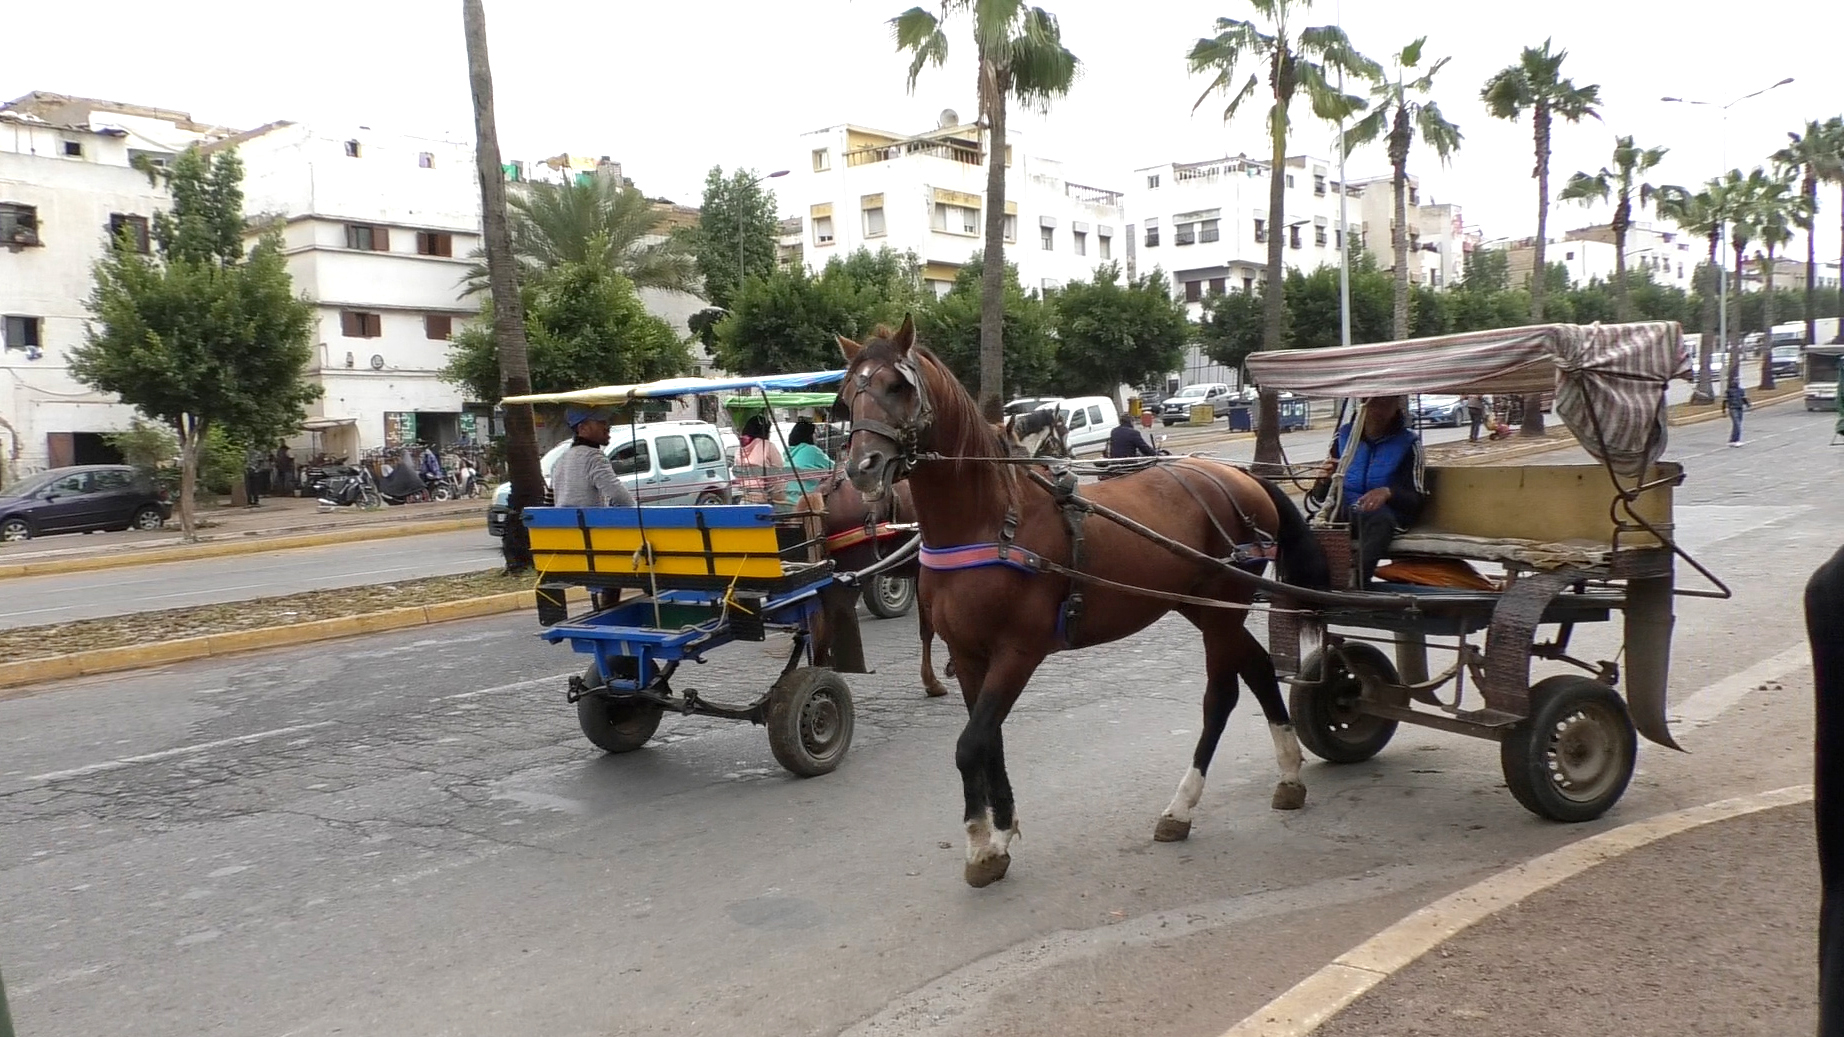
x,y
672,88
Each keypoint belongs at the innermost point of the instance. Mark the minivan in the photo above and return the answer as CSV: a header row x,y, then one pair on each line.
x,y
1089,420
661,462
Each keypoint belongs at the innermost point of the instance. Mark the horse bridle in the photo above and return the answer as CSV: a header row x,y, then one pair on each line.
x,y
907,436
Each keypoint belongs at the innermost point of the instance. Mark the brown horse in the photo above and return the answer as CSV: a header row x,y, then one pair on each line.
x,y
998,551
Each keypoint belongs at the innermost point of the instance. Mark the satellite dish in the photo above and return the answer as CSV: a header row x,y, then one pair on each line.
x,y
949,117
377,361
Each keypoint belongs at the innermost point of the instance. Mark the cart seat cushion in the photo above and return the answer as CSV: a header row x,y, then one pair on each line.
x,y
1536,554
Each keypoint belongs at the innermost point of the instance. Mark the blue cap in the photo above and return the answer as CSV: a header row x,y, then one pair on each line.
x,y
574,416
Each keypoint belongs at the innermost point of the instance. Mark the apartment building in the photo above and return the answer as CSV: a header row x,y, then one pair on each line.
x,y
853,187
1588,253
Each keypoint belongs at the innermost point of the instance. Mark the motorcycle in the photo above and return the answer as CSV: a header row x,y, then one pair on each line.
x,y
348,486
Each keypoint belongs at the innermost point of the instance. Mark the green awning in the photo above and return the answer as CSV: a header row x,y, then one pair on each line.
x,y
780,400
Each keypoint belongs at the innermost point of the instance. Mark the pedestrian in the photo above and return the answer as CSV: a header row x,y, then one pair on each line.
x,y
284,469
583,476
1735,401
1475,413
1825,631
432,466
758,458
252,476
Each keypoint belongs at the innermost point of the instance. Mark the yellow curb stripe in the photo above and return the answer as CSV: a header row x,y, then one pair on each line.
x,y
226,548
1322,995
15,675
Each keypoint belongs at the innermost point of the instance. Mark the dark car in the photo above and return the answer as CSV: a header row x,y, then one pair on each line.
x,y
1784,361
81,499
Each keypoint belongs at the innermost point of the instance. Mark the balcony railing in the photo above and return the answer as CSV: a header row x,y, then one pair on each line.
x,y
903,149
1091,195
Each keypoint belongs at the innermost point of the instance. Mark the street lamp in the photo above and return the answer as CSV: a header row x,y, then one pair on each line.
x,y
1722,228
739,232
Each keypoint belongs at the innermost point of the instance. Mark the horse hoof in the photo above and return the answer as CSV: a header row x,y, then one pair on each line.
x,y
935,691
1171,830
1289,795
988,870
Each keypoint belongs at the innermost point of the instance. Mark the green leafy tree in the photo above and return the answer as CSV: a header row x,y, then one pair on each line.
x,y
1233,325
200,335
1020,57
788,320
1403,109
737,233
1293,61
951,326
1778,210
1313,305
1700,214
1111,333
584,326
1736,194
591,219
1631,162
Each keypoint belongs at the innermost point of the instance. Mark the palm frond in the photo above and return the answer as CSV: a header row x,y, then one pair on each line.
x,y
1368,130
1443,136
919,32
1328,102
1587,188
1331,48
1042,69
1234,41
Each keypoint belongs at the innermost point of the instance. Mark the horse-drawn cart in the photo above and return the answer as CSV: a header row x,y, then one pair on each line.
x,y
1565,544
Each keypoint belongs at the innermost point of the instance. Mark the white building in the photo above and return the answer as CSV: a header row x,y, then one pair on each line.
x,y
1437,257
66,184
376,232
1668,254
854,187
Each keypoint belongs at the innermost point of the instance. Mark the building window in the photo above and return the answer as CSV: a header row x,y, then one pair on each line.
x,y
135,226
1152,182
435,243
1011,227
438,326
956,219
1319,184
1248,283
425,160
1104,246
73,148
368,238
1338,238
1184,234
1319,236
18,224
1080,240
1293,236
1152,233
1051,284
1194,291
354,324
352,149
1047,235
1219,285
874,222
822,230
1261,231
1412,196
822,160
21,332
1207,231
1290,181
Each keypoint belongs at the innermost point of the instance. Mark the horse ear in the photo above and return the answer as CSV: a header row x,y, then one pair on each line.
x,y
849,348
905,335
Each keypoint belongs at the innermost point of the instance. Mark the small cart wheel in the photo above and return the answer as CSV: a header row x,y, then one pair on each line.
x,y
1571,758
810,721
616,725
890,596
1325,715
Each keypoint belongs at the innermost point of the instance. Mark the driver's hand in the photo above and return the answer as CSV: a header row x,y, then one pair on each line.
x,y
1374,499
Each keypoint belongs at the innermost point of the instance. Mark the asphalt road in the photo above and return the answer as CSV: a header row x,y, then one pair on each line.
x,y
406,834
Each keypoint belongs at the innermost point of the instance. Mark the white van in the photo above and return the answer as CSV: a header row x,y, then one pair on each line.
x,y
661,462
1089,419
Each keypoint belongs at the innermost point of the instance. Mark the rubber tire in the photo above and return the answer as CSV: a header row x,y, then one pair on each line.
x,y
141,516
711,497
788,704
877,600
442,491
1524,752
15,529
613,725
1325,730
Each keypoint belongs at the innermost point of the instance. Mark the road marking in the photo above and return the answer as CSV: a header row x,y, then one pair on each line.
x,y
1322,995
1710,701
167,754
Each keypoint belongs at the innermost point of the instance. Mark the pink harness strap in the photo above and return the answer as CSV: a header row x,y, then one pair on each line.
x,y
979,556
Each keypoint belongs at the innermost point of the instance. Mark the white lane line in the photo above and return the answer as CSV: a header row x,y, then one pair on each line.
x,y
536,682
1710,701
167,754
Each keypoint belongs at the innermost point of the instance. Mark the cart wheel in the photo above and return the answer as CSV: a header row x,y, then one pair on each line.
x,y
1324,714
1571,758
810,720
890,596
617,725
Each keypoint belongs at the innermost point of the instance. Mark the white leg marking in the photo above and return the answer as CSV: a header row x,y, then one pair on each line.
x,y
979,838
1286,752
1001,844
1190,790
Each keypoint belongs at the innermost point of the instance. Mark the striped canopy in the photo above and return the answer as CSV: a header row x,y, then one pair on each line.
x,y
1609,379
607,395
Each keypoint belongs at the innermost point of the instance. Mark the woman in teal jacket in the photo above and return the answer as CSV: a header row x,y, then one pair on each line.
x,y
802,454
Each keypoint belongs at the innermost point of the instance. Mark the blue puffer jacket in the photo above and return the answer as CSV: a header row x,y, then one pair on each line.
x,y
1395,461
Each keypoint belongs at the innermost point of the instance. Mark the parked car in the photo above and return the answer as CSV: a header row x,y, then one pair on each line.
x,y
1174,409
1027,404
1089,420
1785,361
1437,409
1822,396
662,462
82,499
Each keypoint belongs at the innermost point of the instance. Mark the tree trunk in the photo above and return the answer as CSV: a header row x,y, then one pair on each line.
x,y
1539,275
1839,337
1735,344
188,479
1811,309
1273,302
1767,322
1399,239
1705,392
1623,215
508,313
992,272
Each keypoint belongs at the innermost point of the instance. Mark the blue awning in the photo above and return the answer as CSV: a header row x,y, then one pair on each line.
x,y
608,395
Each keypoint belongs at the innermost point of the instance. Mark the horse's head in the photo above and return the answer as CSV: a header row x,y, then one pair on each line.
x,y
886,396
1038,433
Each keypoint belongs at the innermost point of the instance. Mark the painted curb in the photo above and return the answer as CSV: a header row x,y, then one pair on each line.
x,y
1317,998
16,675
254,544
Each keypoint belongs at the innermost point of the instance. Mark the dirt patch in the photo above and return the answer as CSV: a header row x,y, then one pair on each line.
x,y
171,624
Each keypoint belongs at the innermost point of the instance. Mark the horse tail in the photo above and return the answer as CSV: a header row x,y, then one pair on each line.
x,y
1302,562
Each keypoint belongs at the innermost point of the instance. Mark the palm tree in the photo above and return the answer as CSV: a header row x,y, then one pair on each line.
x,y
508,314
1400,112
1735,202
596,220
1818,154
1292,61
1021,58
1699,214
1630,163
1535,84
1777,211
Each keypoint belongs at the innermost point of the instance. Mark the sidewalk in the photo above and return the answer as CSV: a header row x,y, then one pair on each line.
x,y
1709,931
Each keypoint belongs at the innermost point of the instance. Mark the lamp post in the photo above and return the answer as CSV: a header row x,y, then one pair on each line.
x,y
1722,228
739,233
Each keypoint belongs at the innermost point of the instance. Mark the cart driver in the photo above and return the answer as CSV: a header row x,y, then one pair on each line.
x,y
1384,490
583,476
